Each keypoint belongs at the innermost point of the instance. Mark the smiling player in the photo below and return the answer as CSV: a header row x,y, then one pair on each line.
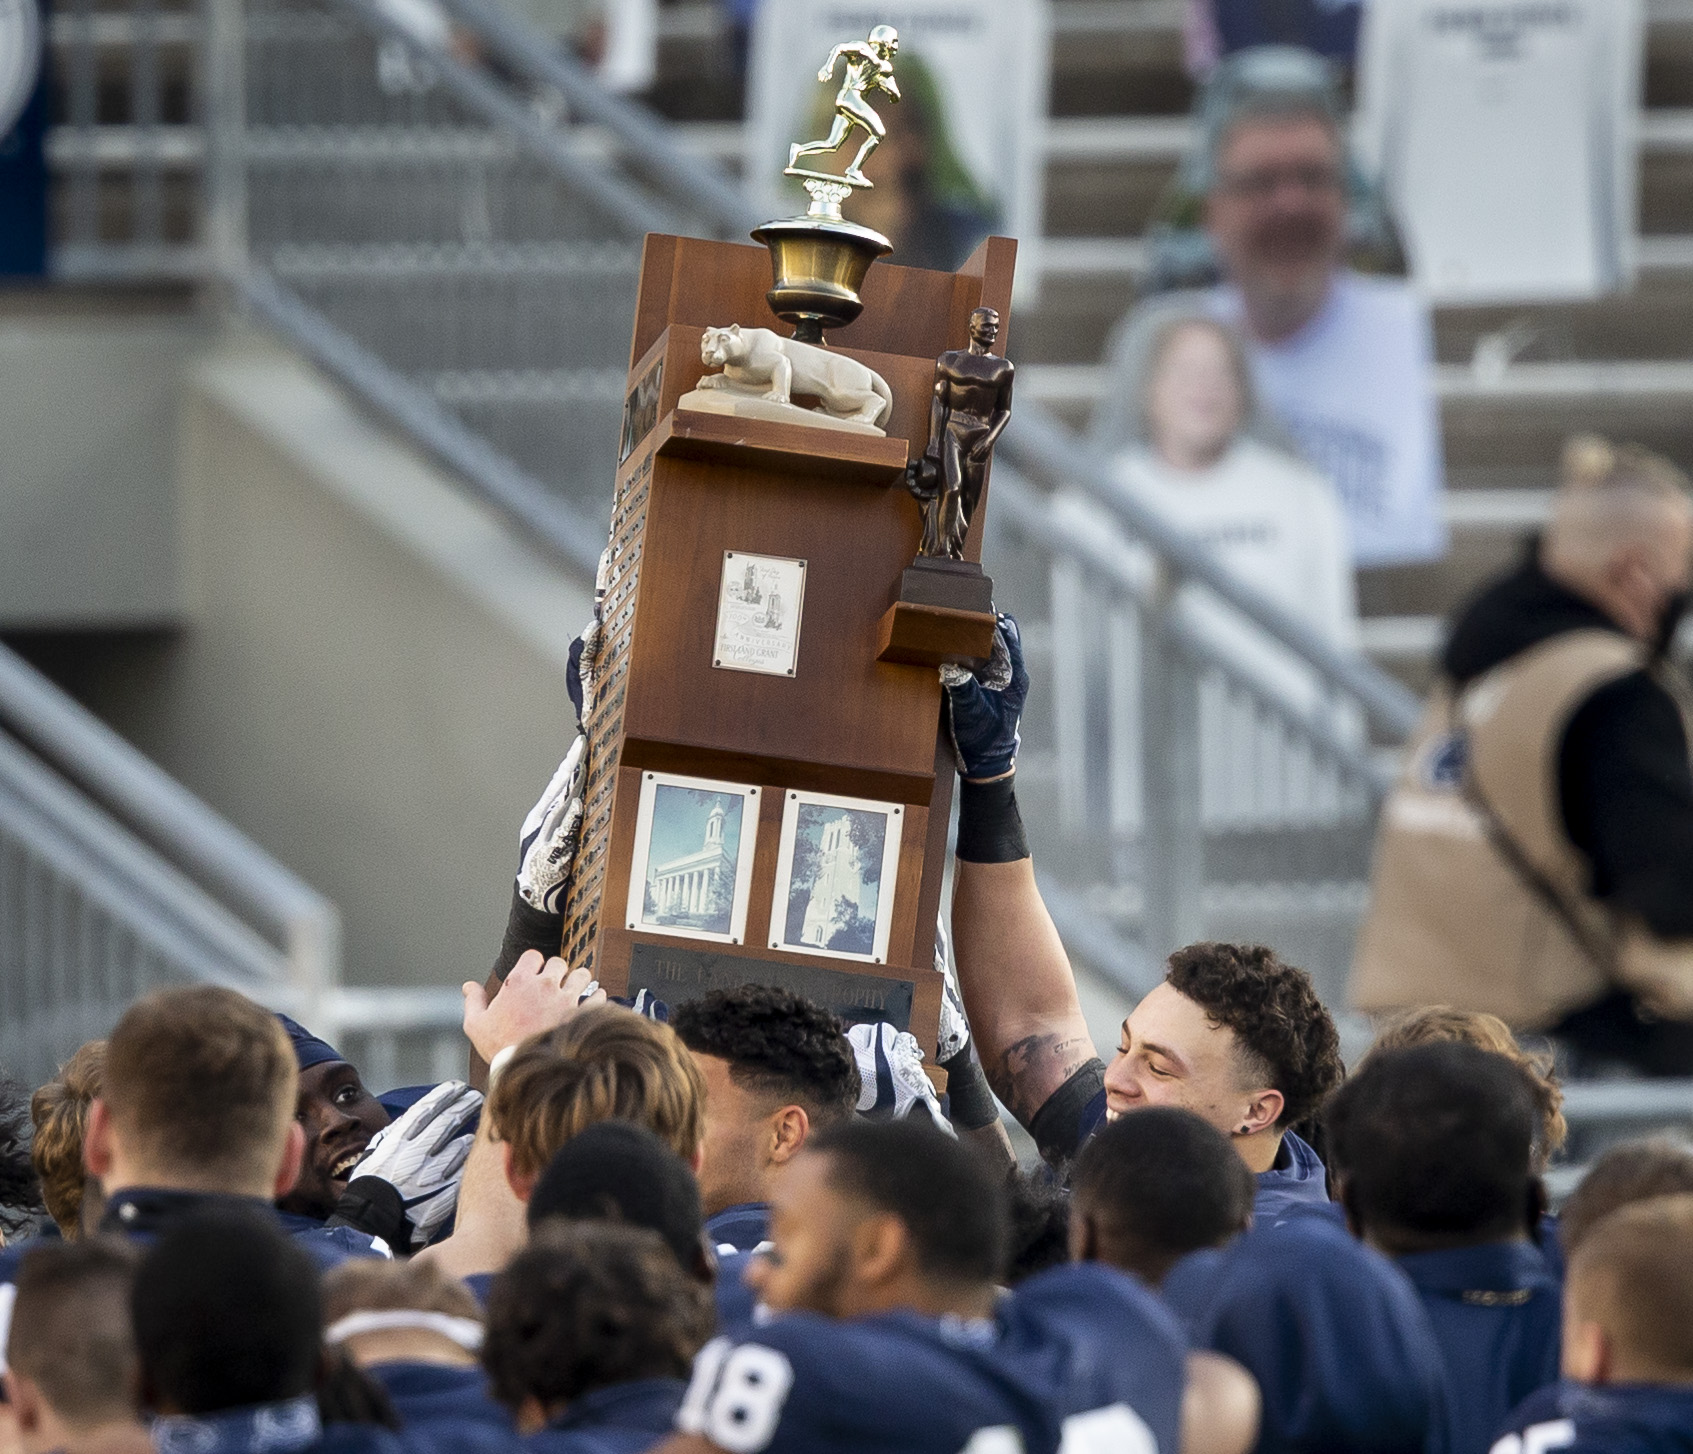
x,y
891,1334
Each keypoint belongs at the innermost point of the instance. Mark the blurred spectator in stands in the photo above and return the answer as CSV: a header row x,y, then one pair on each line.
x,y
1212,29
1508,145
925,200
1341,361
60,1113
1265,513
1536,859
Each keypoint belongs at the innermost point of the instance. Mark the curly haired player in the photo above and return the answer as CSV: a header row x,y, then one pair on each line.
x,y
1233,1034
1240,1039
775,1067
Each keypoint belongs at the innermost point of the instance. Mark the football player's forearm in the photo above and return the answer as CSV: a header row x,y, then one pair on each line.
x,y
1018,988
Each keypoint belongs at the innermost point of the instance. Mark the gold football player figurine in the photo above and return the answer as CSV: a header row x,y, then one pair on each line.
x,y
869,67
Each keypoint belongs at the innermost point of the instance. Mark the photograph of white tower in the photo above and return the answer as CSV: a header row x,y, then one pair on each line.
x,y
839,877
835,872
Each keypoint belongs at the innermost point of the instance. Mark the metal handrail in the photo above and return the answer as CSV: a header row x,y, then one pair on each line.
x,y
481,94
690,178
1044,447
60,731
1021,509
521,498
115,869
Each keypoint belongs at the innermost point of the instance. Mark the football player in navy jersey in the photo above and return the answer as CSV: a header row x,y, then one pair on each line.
x,y
1433,1155
340,1118
774,1066
70,1383
1335,1336
591,1334
1631,1171
228,1338
416,1332
197,1110
1233,1034
1149,1189
1628,1340
891,1335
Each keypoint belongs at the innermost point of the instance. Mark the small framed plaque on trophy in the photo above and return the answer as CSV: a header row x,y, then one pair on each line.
x,y
759,604
836,869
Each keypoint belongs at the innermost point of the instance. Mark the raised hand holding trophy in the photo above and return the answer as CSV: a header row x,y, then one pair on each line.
x,y
768,789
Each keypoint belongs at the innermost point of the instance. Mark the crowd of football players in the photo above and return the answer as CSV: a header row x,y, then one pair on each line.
x,y
735,1224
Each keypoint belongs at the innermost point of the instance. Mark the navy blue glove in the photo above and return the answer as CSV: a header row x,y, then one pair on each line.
x,y
984,707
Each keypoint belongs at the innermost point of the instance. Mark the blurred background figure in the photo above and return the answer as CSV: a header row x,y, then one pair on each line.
x,y
925,201
1212,29
1509,155
1536,860
24,114
1272,517
1342,361
1195,457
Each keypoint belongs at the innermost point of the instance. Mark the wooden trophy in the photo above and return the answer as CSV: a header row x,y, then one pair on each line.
x,y
769,784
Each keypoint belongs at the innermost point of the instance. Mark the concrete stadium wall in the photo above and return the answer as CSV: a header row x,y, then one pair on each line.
x,y
369,677
89,389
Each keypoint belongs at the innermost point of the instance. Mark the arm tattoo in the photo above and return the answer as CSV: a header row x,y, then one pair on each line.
x,y
1032,1068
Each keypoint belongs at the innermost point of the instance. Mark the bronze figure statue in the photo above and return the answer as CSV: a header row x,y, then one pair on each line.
x,y
970,409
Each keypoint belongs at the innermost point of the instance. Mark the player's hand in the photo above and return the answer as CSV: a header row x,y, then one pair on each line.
x,y
825,73
984,707
582,668
890,1074
536,996
422,1157
546,845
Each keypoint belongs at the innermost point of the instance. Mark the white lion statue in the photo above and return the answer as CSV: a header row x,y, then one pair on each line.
x,y
757,362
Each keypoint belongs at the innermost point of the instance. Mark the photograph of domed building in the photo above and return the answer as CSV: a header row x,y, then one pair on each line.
x,y
693,856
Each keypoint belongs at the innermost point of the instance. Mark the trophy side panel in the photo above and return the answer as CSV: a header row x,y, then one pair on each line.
x,y
652,298
840,708
605,724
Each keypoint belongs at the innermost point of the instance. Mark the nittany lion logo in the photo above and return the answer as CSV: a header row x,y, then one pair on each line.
x,y
1441,764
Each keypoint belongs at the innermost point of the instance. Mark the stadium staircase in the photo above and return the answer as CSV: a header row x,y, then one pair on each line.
x,y
457,245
